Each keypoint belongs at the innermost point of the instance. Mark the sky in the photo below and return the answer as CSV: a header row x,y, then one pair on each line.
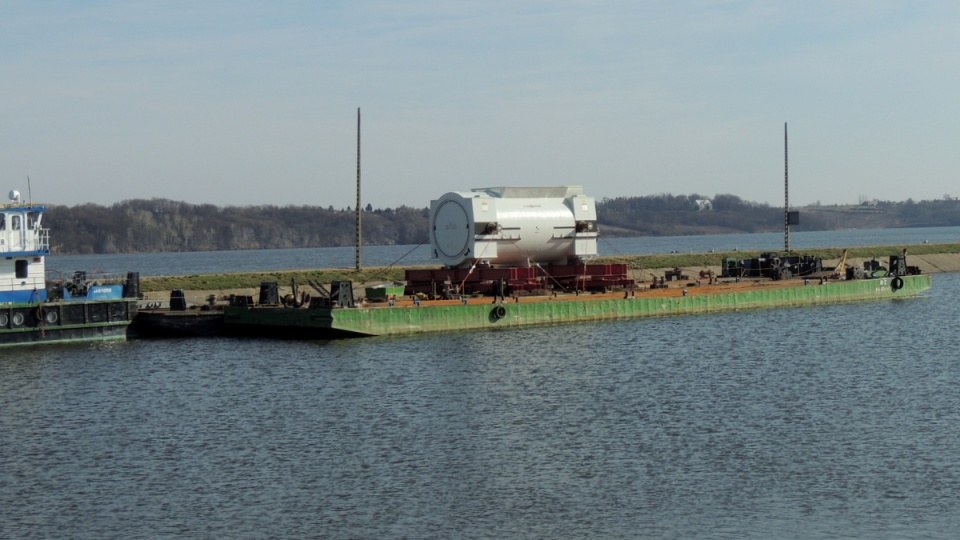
x,y
241,102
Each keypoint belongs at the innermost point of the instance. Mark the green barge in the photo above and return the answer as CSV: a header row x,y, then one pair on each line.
x,y
339,316
521,256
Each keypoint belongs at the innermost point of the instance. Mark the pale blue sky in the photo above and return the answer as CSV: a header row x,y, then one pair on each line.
x,y
253,102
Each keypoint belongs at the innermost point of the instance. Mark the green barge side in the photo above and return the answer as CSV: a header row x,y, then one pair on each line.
x,y
412,317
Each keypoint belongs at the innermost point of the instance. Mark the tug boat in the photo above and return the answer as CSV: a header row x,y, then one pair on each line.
x,y
41,307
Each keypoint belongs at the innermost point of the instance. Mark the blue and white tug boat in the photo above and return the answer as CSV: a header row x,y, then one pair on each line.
x,y
35,309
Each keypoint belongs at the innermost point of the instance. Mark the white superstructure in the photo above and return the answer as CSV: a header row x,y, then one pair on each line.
x,y
23,246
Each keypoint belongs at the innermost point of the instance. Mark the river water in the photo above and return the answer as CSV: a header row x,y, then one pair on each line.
x,y
209,262
820,422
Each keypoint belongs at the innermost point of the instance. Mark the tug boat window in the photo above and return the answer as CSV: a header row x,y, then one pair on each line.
x,y
3,222
15,223
31,220
21,268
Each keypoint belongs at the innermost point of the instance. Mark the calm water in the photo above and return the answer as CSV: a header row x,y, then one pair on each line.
x,y
823,422
165,264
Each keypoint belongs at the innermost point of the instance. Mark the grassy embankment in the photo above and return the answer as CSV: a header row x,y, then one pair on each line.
x,y
244,280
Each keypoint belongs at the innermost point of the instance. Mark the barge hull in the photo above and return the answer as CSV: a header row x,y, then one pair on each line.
x,y
168,323
67,334
327,323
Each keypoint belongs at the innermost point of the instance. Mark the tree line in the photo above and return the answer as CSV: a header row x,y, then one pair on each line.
x,y
157,225
163,225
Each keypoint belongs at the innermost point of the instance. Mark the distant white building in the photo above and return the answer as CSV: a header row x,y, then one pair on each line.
x,y
702,205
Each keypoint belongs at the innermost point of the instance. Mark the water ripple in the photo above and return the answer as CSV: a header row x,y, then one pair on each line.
x,y
798,423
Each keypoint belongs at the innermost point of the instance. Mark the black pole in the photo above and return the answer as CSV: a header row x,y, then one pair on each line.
x,y
359,235
786,194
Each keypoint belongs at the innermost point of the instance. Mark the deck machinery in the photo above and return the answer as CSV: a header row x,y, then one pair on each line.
x,y
776,266
500,240
773,266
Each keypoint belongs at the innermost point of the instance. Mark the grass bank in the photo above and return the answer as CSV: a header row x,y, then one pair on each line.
x,y
246,280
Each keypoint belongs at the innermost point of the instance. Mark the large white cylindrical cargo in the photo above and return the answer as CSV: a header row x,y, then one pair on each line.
x,y
514,226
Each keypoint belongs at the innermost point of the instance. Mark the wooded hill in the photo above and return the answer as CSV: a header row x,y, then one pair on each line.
x,y
164,225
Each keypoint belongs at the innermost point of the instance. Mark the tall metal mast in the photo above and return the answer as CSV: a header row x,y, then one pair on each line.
x,y
359,236
786,194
